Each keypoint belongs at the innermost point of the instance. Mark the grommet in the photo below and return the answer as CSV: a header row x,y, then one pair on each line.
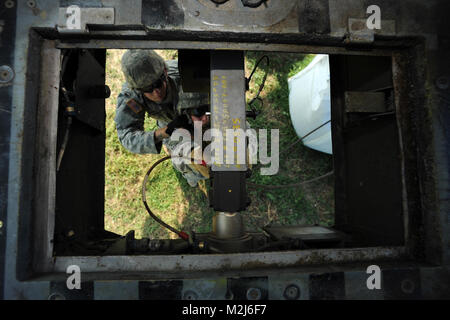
x,y
6,74
9,4
31,3
292,292
407,286
253,294
190,295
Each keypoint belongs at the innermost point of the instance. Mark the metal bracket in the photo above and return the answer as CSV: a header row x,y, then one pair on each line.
x,y
237,13
356,101
87,16
358,32
6,74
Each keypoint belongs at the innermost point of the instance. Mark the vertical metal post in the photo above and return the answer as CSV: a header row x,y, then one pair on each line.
x,y
228,195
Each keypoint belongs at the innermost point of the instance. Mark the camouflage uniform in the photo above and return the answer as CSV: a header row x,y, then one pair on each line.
x,y
132,106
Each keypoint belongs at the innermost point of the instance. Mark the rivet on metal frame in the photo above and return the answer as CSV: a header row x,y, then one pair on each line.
x,y
292,292
253,294
190,295
408,286
56,296
6,74
31,3
9,4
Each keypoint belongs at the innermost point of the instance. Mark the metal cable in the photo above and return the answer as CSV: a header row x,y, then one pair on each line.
x,y
268,186
183,235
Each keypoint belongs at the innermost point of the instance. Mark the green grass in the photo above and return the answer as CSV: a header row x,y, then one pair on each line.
x,y
312,203
170,197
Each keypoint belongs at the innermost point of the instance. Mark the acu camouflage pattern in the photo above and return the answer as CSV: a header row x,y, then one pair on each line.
x,y
130,124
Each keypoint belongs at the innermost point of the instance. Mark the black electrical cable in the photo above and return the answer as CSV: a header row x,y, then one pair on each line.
x,y
261,87
281,186
183,235
255,185
304,137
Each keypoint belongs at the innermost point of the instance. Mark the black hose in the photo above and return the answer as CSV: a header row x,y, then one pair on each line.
x,y
183,235
292,185
261,87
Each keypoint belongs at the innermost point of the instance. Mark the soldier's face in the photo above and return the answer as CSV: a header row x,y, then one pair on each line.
x,y
158,95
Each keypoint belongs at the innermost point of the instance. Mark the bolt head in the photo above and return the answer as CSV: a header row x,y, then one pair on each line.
x,y
292,292
9,4
190,295
253,294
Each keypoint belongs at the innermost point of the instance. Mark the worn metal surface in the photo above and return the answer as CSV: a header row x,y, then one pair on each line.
x,y
358,32
7,46
175,266
320,26
357,101
302,45
46,135
400,282
87,16
228,225
411,107
233,15
368,181
228,109
20,158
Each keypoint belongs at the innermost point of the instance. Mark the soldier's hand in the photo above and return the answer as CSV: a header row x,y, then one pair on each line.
x,y
179,122
160,134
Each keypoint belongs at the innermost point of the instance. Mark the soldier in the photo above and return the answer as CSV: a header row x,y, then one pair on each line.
x,y
153,86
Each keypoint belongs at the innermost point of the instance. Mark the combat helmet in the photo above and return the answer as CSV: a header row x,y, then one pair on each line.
x,y
142,67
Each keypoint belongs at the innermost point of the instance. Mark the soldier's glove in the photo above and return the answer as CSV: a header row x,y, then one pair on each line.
x,y
179,122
